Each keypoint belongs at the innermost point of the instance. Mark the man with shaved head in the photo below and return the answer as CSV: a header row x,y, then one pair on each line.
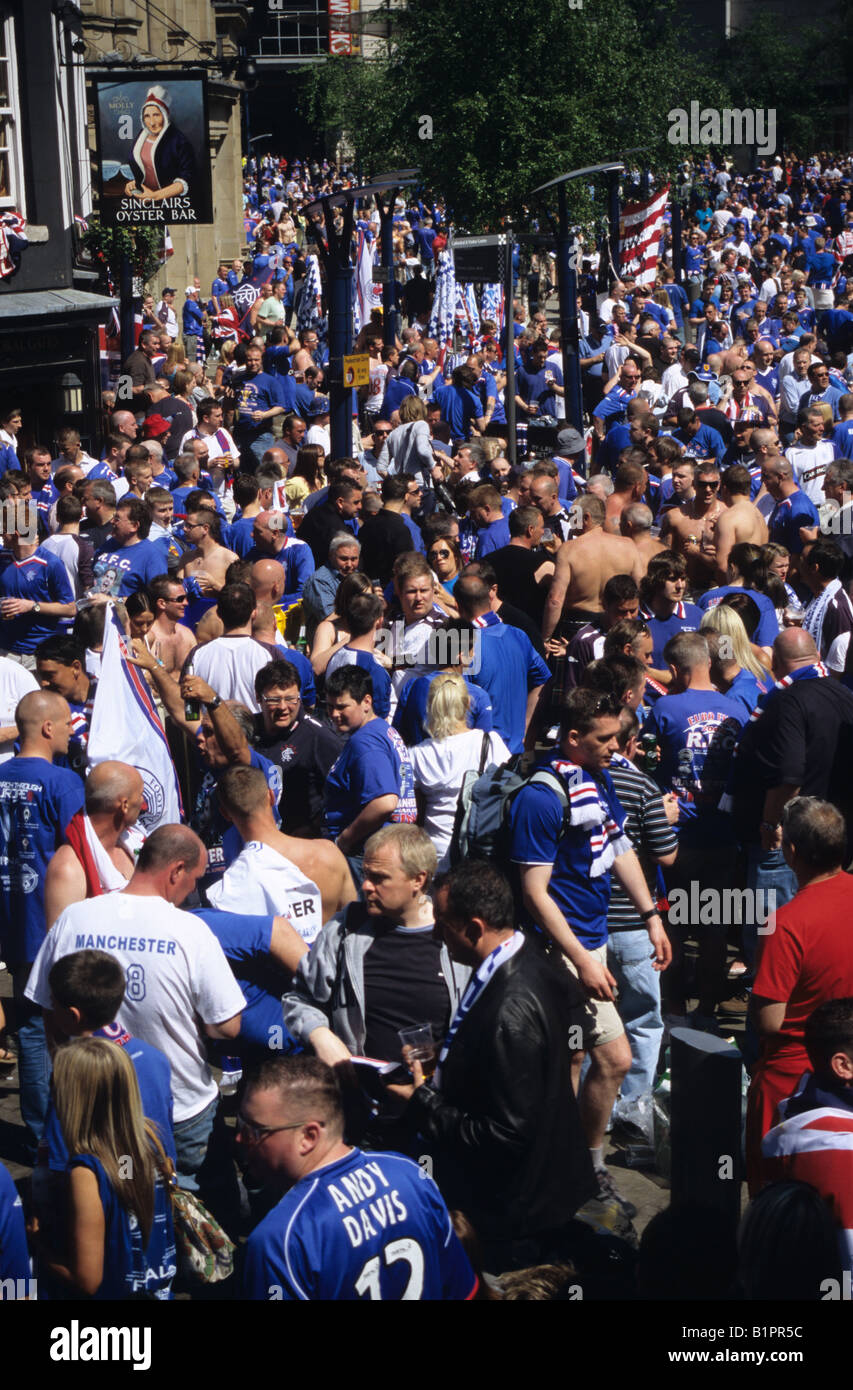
x,y
37,803
800,745
95,860
180,989
267,581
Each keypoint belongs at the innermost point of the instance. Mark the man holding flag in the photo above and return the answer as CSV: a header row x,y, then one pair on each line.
x,y
125,727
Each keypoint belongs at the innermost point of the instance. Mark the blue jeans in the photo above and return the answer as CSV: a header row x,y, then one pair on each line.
x,y
629,959
205,1164
766,871
33,1060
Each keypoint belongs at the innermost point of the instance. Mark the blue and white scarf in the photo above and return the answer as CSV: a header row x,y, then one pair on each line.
x,y
817,671
477,983
589,810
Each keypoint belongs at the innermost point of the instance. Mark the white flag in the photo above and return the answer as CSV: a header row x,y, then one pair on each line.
x,y
125,726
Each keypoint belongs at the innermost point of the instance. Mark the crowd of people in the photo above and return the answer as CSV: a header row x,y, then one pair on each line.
x,y
476,756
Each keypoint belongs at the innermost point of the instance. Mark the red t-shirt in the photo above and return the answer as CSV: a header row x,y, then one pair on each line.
x,y
807,959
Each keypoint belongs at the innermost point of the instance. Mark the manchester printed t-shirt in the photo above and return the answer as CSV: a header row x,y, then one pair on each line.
x,y
371,1226
177,979
263,882
37,801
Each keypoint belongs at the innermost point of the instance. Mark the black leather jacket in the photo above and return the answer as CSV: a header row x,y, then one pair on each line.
x,y
504,1130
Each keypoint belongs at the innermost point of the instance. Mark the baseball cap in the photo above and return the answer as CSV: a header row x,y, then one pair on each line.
x,y
154,426
319,406
191,289
169,290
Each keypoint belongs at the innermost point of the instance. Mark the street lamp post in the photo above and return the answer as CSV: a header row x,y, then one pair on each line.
x,y
254,140
334,249
567,283
402,178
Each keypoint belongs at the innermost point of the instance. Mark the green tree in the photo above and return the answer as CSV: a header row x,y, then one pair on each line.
x,y
516,93
796,73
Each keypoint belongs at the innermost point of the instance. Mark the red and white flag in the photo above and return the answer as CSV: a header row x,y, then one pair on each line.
x,y
640,237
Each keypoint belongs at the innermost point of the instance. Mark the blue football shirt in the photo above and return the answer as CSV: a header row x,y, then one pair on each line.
x,y
370,1226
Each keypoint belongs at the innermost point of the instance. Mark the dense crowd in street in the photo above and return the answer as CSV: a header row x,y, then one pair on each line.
x,y
492,773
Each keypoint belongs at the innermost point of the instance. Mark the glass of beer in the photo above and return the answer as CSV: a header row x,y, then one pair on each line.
x,y
296,515
419,1046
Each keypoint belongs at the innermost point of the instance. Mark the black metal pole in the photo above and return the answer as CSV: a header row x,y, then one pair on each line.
x,y
567,252
613,220
677,243
509,388
390,316
126,307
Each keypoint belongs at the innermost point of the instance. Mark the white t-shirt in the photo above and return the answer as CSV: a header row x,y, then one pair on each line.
x,y
263,883
810,467
378,372
836,657
439,767
229,665
68,551
176,973
319,434
15,683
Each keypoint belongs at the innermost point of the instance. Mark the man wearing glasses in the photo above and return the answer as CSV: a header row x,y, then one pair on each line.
x,y
352,1226
302,747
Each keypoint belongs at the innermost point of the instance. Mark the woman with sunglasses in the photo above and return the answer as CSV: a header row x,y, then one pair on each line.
x,y
445,557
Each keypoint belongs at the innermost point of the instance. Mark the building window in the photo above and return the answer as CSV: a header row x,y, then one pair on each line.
x,y
11,166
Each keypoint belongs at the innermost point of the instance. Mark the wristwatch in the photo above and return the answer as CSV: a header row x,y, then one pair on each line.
x,y
36,607
211,705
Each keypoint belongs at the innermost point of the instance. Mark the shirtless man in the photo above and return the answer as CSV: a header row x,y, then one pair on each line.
x,y
636,523
168,638
209,560
629,487
114,800
247,801
739,521
583,567
691,528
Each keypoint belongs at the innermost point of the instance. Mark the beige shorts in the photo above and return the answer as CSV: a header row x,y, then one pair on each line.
x,y
599,1018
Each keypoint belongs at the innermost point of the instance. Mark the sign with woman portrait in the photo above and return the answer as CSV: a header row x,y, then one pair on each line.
x,y
153,150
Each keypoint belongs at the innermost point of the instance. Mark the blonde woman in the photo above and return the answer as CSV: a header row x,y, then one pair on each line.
x,y
735,669
451,750
120,1233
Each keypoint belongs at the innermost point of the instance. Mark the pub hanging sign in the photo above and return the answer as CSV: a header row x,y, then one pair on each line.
x,y
153,151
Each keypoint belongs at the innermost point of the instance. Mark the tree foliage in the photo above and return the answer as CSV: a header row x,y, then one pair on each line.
x,y
799,74
517,93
